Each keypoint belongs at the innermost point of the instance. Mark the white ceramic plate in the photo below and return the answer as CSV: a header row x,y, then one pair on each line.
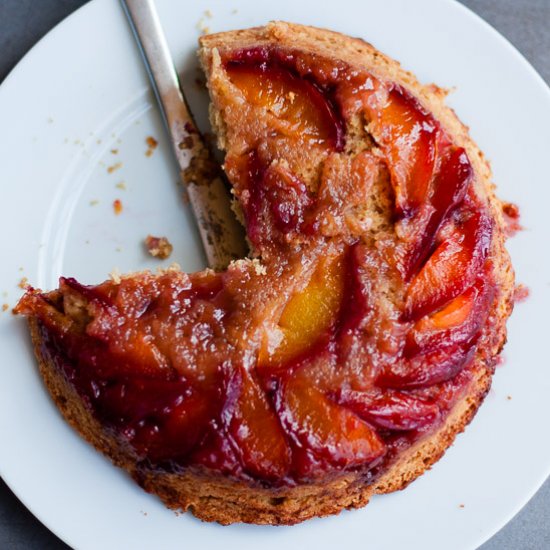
x,y
81,93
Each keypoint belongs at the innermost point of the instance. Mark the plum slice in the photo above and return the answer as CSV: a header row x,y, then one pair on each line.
x,y
162,420
439,344
448,189
287,197
429,176
309,314
254,429
275,201
298,102
455,324
390,410
408,134
332,432
452,267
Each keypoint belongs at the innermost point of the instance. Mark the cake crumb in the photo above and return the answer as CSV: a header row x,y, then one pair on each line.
x,y
115,276
461,506
202,27
121,185
114,167
114,151
521,293
510,212
94,202
5,307
208,14
158,247
117,206
509,397
23,283
152,144
144,513
258,267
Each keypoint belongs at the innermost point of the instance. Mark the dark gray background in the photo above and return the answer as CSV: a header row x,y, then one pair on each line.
x,y
526,23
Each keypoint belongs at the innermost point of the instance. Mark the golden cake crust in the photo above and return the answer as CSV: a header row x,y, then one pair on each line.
x,y
213,497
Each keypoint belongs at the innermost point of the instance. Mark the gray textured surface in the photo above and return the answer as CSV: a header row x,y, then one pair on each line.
x,y
526,23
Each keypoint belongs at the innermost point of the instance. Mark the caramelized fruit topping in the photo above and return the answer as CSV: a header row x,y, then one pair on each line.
x,y
341,350
390,410
452,267
409,135
309,314
276,200
248,417
303,107
330,432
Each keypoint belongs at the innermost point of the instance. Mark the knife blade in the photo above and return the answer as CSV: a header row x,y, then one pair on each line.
x,y
221,234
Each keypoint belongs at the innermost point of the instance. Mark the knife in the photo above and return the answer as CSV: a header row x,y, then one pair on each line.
x,y
221,234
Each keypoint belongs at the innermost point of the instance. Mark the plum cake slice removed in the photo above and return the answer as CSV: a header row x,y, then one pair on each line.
x,y
343,357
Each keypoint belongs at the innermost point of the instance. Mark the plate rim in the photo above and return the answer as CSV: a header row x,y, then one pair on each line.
x,y
57,29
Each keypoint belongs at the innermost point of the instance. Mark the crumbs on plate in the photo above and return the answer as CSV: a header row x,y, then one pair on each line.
x,y
23,283
152,144
114,167
158,247
117,206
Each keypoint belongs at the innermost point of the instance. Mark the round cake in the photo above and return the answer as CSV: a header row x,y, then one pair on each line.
x,y
343,356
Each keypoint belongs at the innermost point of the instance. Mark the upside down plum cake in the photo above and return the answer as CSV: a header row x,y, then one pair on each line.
x,y
341,359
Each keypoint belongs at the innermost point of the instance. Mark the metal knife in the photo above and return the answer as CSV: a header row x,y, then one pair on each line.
x,y
221,234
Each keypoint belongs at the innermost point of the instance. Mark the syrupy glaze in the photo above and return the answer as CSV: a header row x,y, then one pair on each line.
x,y
347,345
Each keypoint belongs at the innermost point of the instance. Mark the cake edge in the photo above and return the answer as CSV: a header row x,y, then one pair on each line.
x,y
220,499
